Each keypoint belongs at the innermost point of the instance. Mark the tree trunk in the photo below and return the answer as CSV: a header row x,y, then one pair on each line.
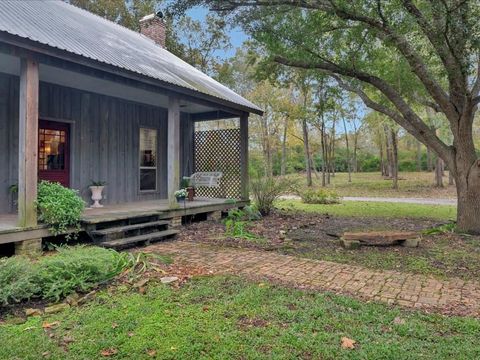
x,y
349,165
283,165
324,152
306,148
450,178
388,144
419,156
468,192
332,155
438,172
429,160
394,158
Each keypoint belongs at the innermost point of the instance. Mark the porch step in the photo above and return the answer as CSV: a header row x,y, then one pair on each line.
x,y
122,229
140,238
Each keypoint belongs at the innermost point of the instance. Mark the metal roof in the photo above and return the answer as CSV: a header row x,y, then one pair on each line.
x,y
66,27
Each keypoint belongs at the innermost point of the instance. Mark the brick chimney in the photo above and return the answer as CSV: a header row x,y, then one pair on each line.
x,y
153,26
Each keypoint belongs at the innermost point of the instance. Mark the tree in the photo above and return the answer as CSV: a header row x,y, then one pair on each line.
x,y
200,42
434,48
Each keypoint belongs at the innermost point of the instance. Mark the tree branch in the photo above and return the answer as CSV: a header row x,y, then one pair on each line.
x,y
424,135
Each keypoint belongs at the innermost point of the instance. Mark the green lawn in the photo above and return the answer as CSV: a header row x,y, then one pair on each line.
x,y
412,184
374,209
231,318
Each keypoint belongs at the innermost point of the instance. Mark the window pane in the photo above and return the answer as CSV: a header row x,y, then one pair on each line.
x,y
52,150
148,179
148,147
148,159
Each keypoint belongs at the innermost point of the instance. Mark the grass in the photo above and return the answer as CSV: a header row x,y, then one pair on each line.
x,y
374,209
413,184
231,318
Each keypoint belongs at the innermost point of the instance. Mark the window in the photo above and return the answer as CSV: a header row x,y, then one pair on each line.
x,y
148,159
51,155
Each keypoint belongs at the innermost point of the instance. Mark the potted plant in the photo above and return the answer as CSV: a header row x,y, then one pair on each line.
x,y
96,187
181,194
185,184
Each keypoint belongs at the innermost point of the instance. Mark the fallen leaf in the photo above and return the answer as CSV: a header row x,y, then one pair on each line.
x,y
151,352
399,321
47,325
130,334
108,352
348,343
46,354
206,308
114,325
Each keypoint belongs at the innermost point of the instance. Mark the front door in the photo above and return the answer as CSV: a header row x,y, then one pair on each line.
x,y
54,152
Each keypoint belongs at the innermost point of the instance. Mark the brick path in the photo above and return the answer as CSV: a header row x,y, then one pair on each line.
x,y
453,296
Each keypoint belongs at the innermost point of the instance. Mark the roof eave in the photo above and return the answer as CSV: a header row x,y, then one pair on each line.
x,y
43,49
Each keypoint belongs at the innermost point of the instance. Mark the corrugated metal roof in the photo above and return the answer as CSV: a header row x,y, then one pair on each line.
x,y
66,27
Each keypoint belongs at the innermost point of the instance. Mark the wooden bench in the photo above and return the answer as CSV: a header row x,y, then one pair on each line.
x,y
209,179
353,240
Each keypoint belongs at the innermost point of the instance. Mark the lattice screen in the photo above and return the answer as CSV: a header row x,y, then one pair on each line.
x,y
219,150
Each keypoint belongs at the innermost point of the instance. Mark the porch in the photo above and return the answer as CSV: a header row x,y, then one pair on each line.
x,y
118,213
72,125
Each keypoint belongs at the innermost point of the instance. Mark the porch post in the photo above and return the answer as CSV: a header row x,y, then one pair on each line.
x,y
173,149
244,155
28,143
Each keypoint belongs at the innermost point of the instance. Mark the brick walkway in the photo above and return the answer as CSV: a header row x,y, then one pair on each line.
x,y
453,296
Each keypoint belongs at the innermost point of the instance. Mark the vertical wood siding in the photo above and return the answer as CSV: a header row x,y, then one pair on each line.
x,y
104,138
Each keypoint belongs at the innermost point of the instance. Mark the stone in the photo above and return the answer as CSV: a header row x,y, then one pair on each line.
x,y
411,243
33,312
214,216
72,299
87,297
168,279
56,308
350,244
176,222
32,247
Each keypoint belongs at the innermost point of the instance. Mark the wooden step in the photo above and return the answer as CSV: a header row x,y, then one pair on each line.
x,y
140,238
119,229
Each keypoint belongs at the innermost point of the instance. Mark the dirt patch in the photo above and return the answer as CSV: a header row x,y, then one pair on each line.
x,y
316,236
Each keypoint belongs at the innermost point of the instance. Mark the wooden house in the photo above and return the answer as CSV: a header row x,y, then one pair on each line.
x,y
83,98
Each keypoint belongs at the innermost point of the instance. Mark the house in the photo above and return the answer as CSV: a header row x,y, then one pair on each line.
x,y
82,99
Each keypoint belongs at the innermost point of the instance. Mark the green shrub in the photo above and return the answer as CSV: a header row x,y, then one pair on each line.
x,y
17,280
266,190
59,207
248,213
318,196
78,268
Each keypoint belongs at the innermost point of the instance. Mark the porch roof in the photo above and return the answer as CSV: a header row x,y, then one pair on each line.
x,y
61,26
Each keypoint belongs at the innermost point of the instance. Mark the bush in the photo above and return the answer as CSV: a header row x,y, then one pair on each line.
x,y
248,213
78,268
59,207
318,196
266,190
17,280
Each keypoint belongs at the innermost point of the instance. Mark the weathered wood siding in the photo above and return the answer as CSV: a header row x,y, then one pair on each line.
x,y
104,140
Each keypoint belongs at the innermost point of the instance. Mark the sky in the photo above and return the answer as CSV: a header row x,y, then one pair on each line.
x,y
237,36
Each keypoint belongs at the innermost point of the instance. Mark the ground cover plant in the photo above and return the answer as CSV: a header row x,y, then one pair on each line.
x,y
231,318
52,277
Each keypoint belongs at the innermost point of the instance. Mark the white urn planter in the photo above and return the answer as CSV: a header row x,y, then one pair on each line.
x,y
96,196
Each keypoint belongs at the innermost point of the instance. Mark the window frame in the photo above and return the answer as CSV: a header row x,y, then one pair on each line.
x,y
140,167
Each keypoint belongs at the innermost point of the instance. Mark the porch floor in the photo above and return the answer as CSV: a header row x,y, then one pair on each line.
x,y
150,207
8,222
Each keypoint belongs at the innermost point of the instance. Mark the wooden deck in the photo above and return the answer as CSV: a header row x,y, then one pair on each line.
x,y
10,232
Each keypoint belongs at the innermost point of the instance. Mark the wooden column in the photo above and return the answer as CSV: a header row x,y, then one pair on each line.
x,y
173,149
28,143
244,155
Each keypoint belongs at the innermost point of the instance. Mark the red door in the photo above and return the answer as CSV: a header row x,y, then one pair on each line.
x,y
54,152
